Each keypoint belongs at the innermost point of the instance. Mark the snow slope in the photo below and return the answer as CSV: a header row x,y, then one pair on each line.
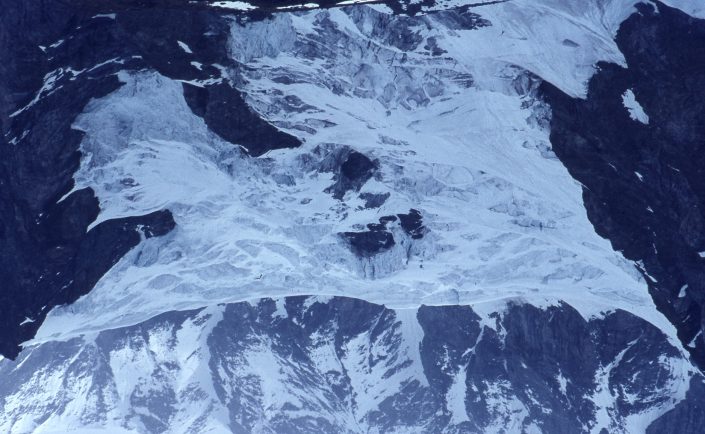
x,y
458,136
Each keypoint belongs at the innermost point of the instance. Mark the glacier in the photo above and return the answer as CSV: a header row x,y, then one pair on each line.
x,y
242,235
504,311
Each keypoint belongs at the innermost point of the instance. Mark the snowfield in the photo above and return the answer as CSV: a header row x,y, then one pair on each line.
x,y
458,136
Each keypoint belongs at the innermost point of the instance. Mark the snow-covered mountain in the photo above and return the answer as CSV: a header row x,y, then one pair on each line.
x,y
383,217
332,364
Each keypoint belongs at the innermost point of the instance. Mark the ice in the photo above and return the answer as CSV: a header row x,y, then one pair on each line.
x,y
558,40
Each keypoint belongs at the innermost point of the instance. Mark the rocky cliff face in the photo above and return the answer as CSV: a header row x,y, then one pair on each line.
x,y
641,166
282,217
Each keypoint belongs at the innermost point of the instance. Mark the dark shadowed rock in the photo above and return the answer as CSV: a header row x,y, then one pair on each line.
x,y
369,243
227,114
374,200
644,183
412,223
351,168
687,417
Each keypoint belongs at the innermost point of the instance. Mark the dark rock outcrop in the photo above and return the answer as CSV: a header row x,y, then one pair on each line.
x,y
351,170
378,237
644,183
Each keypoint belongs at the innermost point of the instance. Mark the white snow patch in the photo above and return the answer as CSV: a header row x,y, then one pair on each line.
x,y
683,291
184,47
692,343
235,5
57,43
694,8
280,312
455,398
299,6
636,111
109,16
354,2
558,40
562,384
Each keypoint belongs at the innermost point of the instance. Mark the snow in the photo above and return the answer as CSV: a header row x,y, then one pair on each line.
x,y
505,409
562,384
694,8
371,383
48,87
354,2
412,335
235,5
455,397
107,62
691,344
51,84
109,16
170,357
683,291
558,40
636,111
606,396
640,267
185,47
281,309
604,399
97,430
16,140
299,6
57,43
506,220
27,320
676,388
